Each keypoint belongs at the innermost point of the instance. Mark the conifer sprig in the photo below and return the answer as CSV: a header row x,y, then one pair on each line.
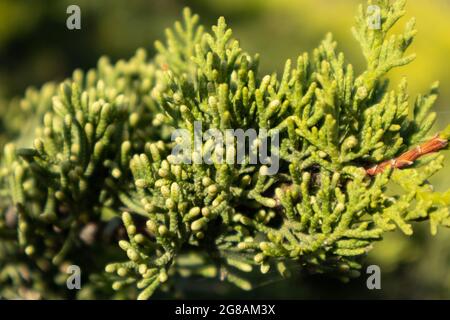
x,y
95,158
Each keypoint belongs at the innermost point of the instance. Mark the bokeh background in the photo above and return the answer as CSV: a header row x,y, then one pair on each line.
x,y
36,47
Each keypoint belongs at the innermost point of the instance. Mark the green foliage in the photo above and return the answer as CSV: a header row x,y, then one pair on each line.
x,y
102,150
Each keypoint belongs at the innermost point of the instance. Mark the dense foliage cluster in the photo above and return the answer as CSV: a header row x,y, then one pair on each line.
x,y
95,178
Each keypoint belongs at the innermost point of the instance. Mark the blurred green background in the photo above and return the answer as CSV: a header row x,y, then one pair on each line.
x,y
36,47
